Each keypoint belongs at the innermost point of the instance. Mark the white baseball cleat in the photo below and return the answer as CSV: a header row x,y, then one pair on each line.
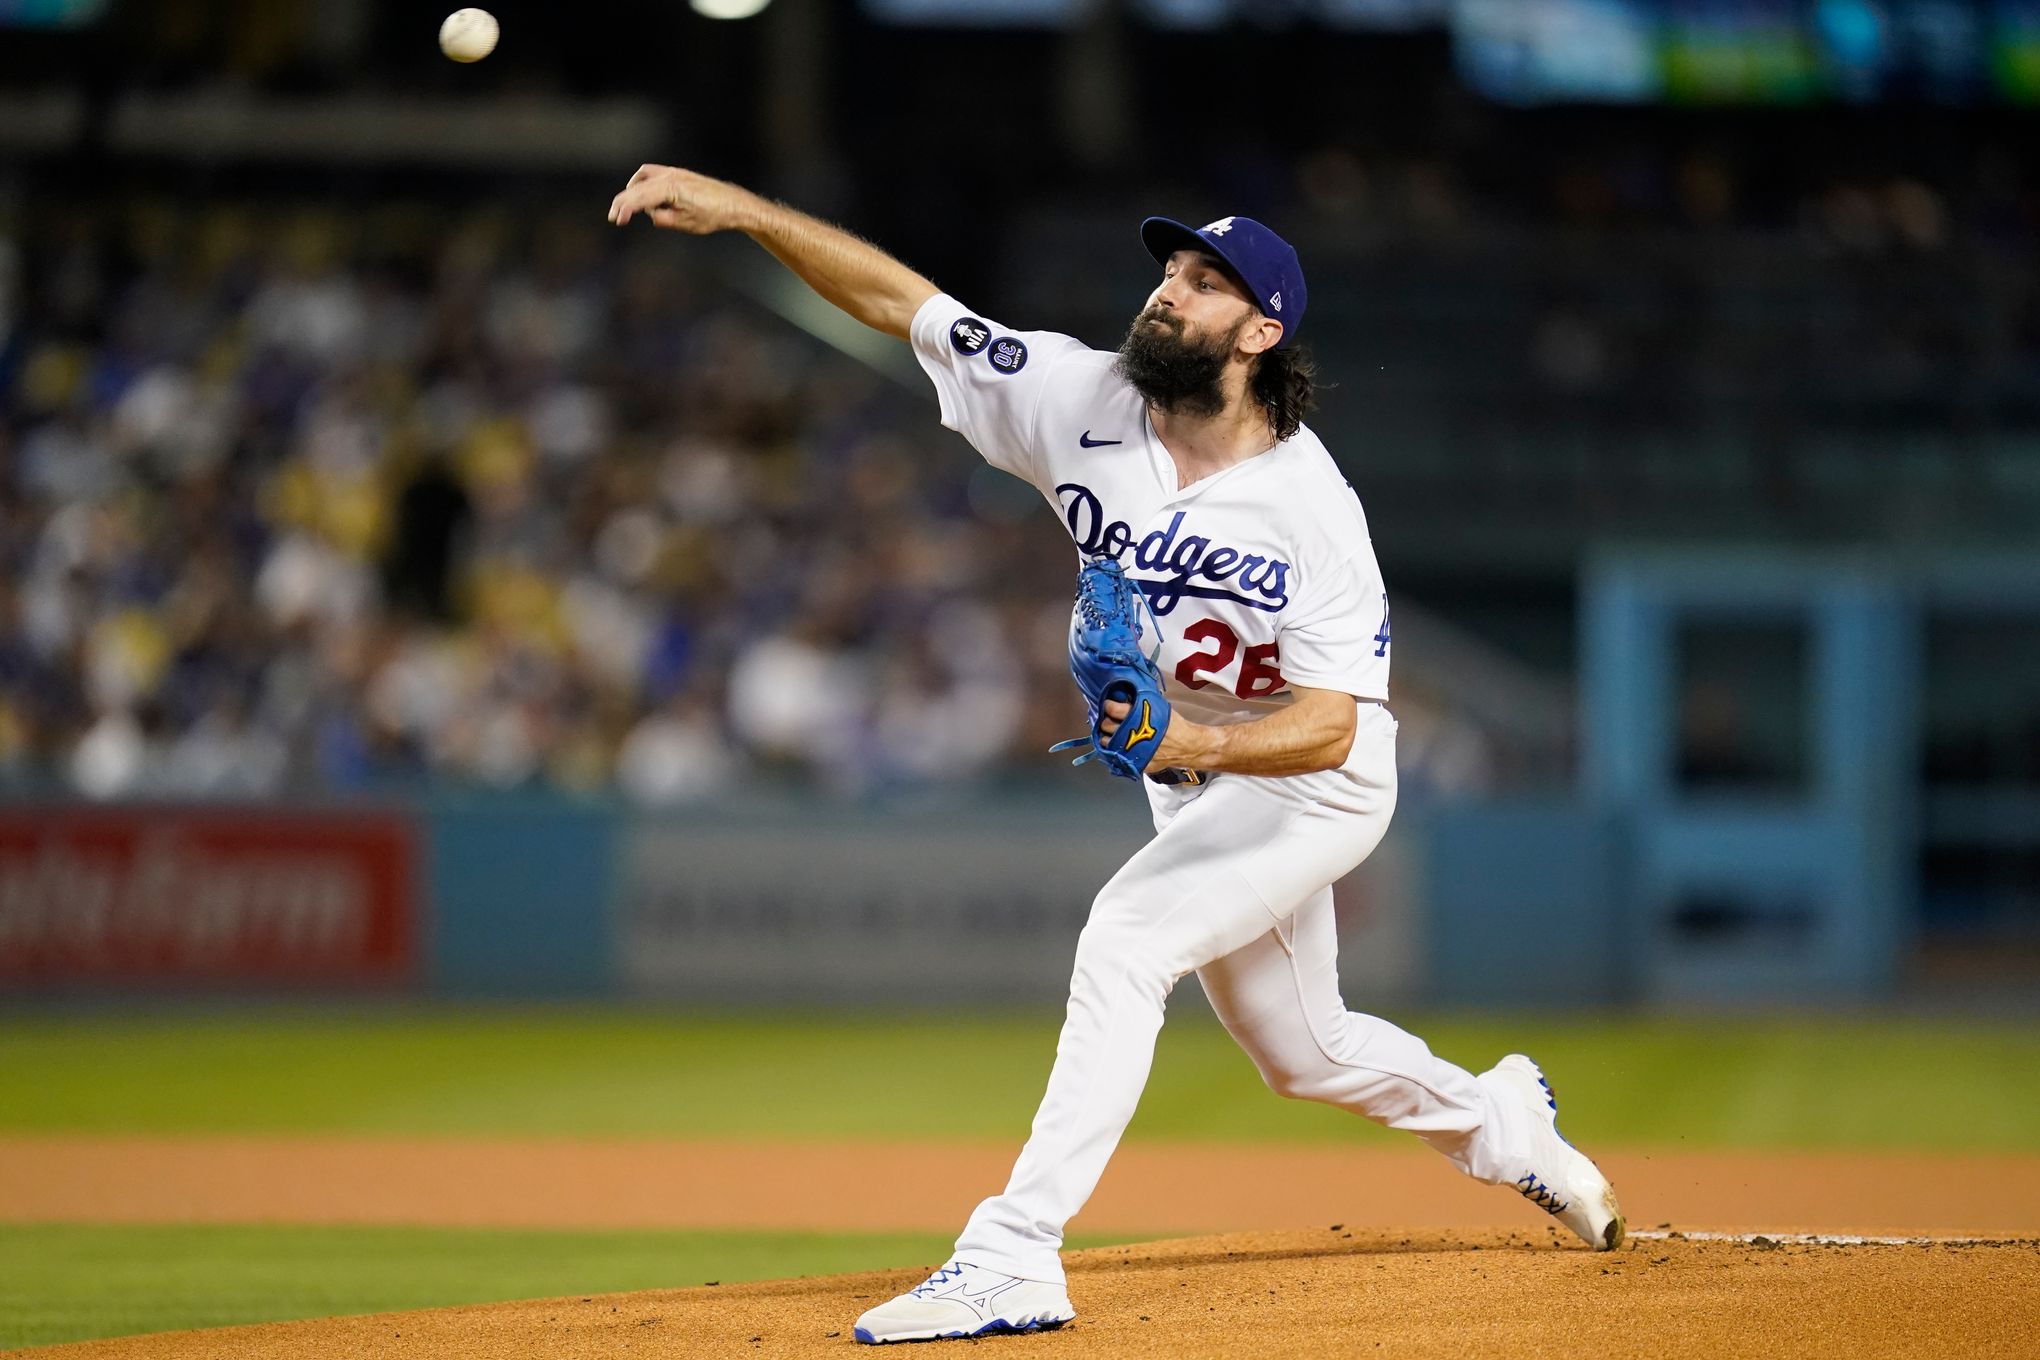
x,y
963,1300
1560,1179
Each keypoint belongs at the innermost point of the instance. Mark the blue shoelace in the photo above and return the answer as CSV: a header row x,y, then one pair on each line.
x,y
1540,1194
942,1276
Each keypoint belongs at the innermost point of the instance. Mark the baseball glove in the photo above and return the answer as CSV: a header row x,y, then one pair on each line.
x,y
1108,663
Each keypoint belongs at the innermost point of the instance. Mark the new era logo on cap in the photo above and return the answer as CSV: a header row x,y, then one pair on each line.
x,y
1265,262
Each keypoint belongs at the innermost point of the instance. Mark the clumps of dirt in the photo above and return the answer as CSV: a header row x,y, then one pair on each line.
x,y
1409,1294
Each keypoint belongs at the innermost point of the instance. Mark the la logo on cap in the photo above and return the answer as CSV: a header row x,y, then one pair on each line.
x,y
1220,227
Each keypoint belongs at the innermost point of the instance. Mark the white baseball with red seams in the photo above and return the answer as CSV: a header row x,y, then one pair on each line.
x,y
468,34
1260,577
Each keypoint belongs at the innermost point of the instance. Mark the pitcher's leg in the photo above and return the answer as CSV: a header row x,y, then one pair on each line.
x,y
1176,905
1279,999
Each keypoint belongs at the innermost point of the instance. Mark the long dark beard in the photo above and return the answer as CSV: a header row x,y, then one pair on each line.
x,y
1175,375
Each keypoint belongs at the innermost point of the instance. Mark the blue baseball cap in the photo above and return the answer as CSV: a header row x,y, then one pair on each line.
x,y
1265,262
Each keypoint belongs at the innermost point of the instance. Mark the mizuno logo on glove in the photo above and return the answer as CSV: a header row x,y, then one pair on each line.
x,y
1146,730
1110,664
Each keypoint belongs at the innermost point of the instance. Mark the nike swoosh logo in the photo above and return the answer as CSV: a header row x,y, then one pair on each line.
x,y
1090,443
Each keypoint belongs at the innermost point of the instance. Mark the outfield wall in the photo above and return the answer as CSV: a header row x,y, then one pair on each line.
x,y
778,901
115,897
1751,825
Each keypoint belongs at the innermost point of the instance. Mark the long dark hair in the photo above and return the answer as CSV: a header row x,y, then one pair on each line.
x,y
1285,383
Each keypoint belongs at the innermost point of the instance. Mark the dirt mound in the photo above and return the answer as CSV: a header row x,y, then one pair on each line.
x,y
1326,1292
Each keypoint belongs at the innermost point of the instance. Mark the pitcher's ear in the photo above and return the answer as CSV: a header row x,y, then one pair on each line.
x,y
1260,335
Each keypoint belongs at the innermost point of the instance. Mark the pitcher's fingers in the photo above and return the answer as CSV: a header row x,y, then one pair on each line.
x,y
667,217
633,201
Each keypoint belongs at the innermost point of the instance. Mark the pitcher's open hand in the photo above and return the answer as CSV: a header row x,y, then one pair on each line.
x,y
681,200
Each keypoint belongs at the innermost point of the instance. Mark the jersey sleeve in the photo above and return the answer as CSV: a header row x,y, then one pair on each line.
x,y
990,379
1339,639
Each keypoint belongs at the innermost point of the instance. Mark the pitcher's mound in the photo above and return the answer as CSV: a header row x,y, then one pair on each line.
x,y
1328,1292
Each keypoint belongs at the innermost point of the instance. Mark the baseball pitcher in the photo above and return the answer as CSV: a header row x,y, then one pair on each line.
x,y
1232,639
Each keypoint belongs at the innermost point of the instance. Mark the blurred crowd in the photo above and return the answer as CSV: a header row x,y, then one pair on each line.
x,y
325,500
332,498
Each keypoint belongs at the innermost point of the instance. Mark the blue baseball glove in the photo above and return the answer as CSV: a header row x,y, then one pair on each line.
x,y
1107,660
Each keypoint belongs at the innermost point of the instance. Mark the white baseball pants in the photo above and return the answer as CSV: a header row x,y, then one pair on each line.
x,y
1236,886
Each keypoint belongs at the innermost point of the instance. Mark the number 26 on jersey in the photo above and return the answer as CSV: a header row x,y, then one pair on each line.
x,y
1258,676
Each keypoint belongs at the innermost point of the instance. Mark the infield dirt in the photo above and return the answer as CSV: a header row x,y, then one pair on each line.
x,y
1150,1189
1472,1271
1324,1292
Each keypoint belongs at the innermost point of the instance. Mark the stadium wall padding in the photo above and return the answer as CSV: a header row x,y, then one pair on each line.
x,y
1521,901
520,894
765,900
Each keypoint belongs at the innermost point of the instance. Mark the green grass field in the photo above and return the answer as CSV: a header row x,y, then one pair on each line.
x,y
68,1282
72,1282
1758,1083
1791,1083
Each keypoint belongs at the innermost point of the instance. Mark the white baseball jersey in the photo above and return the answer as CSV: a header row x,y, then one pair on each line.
x,y
1260,577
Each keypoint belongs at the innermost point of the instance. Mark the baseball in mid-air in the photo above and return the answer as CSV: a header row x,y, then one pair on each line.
x,y
468,34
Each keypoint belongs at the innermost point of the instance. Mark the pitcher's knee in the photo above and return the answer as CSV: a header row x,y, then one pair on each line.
x,y
1110,959
1309,1081
1128,933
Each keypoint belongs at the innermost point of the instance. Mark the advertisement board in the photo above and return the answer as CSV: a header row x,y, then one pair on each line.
x,y
931,908
214,895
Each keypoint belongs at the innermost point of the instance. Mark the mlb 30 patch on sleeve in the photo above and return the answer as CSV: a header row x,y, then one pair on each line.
x,y
1009,355
969,335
